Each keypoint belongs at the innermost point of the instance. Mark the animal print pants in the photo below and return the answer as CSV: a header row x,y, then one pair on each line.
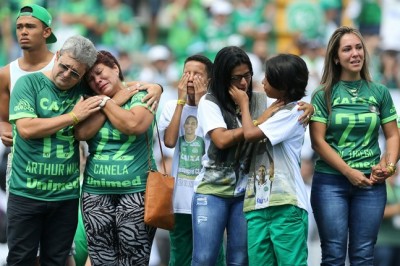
x,y
115,229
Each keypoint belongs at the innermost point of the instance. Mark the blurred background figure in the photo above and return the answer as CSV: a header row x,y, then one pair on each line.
x,y
248,20
118,29
76,17
161,68
182,20
218,29
390,69
387,249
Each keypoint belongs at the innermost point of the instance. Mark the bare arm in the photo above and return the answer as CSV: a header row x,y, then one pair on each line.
x,y
34,128
88,128
130,122
172,131
251,131
153,95
224,138
382,171
322,148
5,126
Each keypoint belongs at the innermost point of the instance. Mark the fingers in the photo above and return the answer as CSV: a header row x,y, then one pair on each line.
x,y
304,119
85,108
7,140
139,86
134,89
199,84
154,106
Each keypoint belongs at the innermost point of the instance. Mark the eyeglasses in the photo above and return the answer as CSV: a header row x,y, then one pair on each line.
x,y
238,78
65,68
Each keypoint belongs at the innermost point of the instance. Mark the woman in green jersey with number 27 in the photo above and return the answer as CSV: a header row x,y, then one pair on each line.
x,y
348,193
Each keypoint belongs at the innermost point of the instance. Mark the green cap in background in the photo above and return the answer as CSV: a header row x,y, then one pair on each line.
x,y
41,14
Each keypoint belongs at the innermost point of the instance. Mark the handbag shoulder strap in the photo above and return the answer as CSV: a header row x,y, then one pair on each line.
x,y
149,149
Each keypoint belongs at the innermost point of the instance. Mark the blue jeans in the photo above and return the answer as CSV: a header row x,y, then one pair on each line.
x,y
211,215
345,212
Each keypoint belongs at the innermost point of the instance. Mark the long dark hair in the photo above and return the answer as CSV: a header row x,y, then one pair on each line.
x,y
225,61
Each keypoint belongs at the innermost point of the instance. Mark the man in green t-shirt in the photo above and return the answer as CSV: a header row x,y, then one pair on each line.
x,y
44,181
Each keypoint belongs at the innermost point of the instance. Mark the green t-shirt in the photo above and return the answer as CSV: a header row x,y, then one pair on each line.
x,y
118,163
353,125
44,168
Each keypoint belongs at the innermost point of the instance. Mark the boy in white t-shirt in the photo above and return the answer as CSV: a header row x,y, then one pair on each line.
x,y
178,127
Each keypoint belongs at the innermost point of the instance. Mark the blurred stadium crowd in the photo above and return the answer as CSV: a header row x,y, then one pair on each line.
x,y
152,38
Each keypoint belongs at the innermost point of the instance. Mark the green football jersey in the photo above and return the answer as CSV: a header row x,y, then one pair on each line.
x,y
352,127
44,168
118,163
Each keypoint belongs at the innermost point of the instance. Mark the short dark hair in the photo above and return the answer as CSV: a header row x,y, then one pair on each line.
x,y
202,59
107,59
287,73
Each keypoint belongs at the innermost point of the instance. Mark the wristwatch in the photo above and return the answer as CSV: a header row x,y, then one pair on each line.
x,y
104,101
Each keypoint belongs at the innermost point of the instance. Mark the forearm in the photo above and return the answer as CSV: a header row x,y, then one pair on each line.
x,y
391,133
172,131
129,122
250,130
332,158
392,150
5,127
34,128
88,128
225,138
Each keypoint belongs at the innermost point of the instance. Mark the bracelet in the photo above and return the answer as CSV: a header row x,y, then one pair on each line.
x,y
104,101
162,88
181,102
255,122
391,167
75,119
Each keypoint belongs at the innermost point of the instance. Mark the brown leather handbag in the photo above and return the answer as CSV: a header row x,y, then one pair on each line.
x,y
158,208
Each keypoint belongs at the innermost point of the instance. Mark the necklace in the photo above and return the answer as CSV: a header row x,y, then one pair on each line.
x,y
352,87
